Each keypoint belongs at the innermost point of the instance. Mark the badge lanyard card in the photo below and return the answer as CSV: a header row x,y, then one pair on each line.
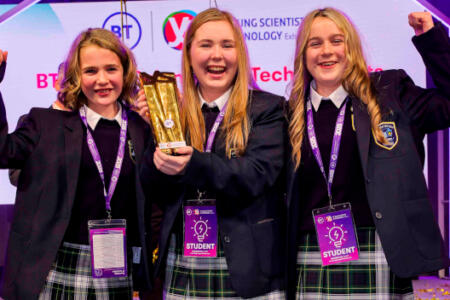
x,y
107,237
108,248
200,215
200,228
335,228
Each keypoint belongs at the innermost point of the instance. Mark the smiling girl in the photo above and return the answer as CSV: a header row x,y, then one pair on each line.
x,y
360,222
221,196
80,167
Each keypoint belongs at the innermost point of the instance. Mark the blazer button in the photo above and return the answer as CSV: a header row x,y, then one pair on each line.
x,y
378,215
226,239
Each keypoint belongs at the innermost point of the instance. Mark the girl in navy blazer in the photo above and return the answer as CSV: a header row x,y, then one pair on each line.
x,y
239,168
357,127
61,189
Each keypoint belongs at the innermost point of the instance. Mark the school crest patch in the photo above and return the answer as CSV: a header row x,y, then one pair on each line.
x,y
389,131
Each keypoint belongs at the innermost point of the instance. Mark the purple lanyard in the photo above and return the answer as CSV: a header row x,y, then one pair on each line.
x,y
98,162
334,148
212,134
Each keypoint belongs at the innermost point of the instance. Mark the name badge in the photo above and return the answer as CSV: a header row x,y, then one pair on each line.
x,y
108,248
336,234
200,228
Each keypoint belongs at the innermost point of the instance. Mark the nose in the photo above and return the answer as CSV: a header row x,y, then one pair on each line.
x,y
327,48
217,52
102,77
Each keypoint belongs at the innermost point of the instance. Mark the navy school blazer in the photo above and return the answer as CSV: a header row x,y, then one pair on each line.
x,y
47,147
394,181
249,192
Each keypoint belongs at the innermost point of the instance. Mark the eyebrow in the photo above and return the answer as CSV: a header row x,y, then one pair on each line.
x,y
210,40
332,36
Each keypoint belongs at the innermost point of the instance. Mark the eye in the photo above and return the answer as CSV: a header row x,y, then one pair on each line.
x,y
112,69
204,45
337,41
89,71
314,43
228,45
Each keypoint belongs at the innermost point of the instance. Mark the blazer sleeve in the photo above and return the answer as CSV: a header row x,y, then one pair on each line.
x,y
257,169
17,146
429,109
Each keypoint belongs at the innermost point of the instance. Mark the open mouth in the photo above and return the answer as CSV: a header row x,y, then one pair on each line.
x,y
327,64
103,92
216,69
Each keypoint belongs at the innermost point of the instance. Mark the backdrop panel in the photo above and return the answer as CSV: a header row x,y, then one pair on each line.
x,y
38,40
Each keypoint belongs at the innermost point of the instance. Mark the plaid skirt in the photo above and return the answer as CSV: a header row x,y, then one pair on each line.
x,y
201,278
367,278
70,278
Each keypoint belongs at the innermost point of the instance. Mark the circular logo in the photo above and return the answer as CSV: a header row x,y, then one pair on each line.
x,y
175,26
168,123
188,211
131,32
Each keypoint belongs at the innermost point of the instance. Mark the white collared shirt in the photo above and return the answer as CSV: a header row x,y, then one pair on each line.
x,y
219,102
337,97
93,118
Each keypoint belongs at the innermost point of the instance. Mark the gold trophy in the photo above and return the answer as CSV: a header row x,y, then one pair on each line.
x,y
161,94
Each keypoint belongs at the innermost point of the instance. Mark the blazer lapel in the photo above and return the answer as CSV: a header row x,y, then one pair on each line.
x,y
73,142
363,132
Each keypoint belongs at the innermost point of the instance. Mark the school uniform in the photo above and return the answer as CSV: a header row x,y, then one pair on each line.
x,y
398,236
57,183
248,193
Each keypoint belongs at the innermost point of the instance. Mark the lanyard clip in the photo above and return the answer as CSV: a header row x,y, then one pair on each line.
x,y
108,211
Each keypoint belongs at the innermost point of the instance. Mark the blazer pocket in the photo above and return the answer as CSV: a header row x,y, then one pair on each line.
x,y
267,236
423,227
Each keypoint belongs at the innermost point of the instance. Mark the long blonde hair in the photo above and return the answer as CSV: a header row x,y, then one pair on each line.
x,y
355,80
236,122
71,84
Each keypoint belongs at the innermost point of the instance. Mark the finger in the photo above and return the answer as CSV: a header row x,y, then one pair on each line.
x,y
184,150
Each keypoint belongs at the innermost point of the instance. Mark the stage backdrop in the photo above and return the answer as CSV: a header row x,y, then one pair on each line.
x,y
38,40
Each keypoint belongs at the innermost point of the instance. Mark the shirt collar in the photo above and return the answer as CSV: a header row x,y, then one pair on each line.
x,y
219,102
93,118
337,97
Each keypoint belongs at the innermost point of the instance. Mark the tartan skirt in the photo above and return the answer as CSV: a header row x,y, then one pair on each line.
x,y
201,278
70,278
367,278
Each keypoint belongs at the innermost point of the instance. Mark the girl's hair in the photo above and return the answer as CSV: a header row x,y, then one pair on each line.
x,y
71,85
236,122
355,79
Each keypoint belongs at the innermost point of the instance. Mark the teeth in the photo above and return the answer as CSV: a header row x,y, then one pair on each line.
x,y
328,64
216,69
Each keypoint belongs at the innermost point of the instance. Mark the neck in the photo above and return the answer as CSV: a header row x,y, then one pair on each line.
x,y
109,111
210,95
326,91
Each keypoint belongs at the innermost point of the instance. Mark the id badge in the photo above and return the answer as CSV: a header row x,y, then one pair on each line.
x,y
108,248
200,228
336,234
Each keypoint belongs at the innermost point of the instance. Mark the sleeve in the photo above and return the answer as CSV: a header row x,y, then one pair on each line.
x,y
255,171
15,173
429,109
16,147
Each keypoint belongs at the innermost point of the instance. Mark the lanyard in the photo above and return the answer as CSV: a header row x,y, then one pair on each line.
x,y
212,134
98,162
334,148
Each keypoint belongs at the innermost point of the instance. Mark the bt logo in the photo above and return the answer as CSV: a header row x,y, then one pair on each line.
x,y
175,26
132,31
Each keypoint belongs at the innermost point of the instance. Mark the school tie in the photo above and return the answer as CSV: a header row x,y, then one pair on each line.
x,y
209,115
